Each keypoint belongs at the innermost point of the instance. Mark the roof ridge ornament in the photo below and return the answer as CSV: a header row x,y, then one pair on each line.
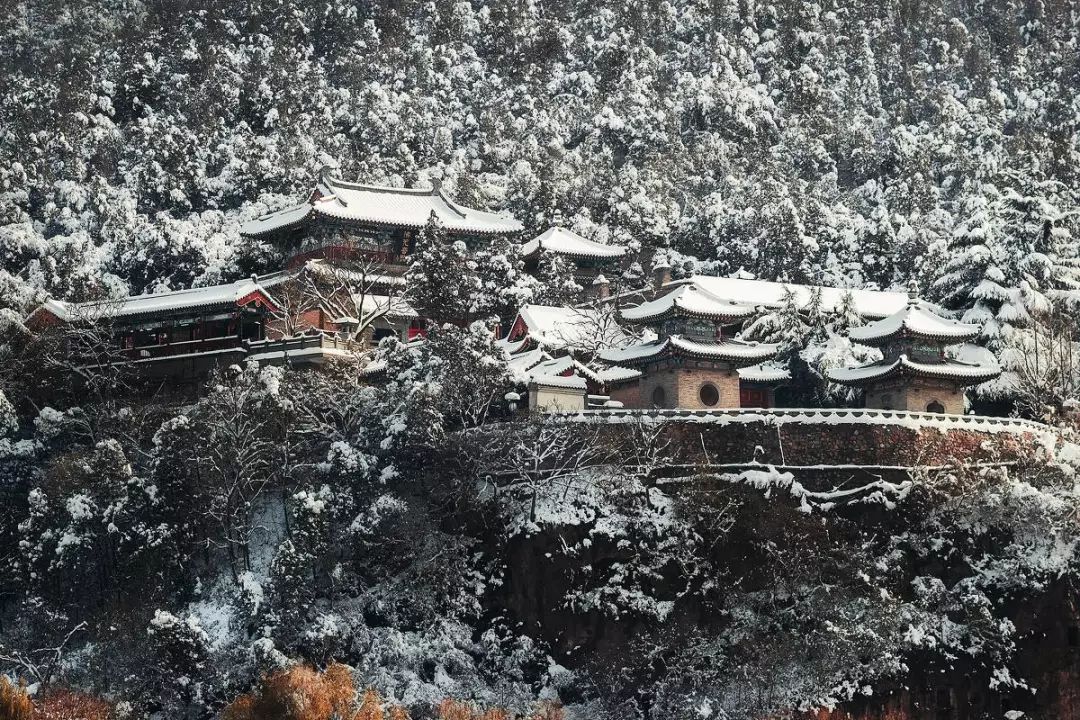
x,y
913,292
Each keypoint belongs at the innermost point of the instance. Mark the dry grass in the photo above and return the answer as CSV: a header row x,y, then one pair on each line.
x,y
303,693
15,704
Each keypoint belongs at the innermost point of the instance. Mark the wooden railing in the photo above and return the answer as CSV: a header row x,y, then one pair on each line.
x,y
184,347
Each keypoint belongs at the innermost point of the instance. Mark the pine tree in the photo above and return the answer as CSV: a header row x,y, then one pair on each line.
x,y
439,282
557,285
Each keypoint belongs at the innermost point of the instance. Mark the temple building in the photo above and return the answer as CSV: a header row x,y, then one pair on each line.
x,y
916,372
344,221
576,330
589,258
346,249
695,358
180,334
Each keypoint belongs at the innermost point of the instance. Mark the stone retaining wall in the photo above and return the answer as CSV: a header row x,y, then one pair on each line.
x,y
809,438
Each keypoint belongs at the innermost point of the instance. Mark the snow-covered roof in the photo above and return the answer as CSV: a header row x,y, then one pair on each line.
x,y
571,382
915,320
690,299
961,372
559,327
364,277
277,220
736,351
765,372
522,362
380,205
389,305
560,241
238,293
868,303
617,373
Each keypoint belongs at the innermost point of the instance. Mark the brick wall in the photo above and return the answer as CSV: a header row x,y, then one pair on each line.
x,y
629,394
682,386
916,396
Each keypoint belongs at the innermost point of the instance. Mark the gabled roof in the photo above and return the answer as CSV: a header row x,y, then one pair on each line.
x,y
392,306
560,241
734,351
400,207
915,320
869,304
558,328
962,373
617,374
277,220
242,292
690,300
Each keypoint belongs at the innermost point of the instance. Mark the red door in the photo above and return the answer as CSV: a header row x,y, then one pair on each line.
x,y
751,398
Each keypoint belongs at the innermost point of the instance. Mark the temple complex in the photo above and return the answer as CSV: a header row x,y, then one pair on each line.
x,y
916,371
346,249
695,358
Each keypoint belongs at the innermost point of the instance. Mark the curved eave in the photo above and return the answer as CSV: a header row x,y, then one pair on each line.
x,y
963,375
474,229
278,228
535,252
676,309
740,354
908,334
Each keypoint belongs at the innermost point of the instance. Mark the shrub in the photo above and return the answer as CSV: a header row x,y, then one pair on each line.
x,y
72,705
303,693
15,704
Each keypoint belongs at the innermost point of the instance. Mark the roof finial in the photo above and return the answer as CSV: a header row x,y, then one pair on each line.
x,y
556,218
913,291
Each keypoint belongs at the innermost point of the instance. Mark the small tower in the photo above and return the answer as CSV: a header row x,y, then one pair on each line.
x,y
915,373
694,361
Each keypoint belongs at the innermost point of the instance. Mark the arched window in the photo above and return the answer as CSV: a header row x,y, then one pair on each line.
x,y
935,407
708,395
659,397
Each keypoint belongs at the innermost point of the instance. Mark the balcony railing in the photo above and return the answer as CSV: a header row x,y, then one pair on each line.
x,y
143,353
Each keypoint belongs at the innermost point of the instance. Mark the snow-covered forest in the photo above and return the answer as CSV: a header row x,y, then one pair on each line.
x,y
290,535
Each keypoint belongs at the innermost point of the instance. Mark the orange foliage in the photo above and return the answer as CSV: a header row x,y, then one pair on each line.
x,y
71,705
303,693
370,707
15,704
299,693
547,711
450,709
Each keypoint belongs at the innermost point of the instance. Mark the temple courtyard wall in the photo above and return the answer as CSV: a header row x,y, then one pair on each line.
x,y
825,439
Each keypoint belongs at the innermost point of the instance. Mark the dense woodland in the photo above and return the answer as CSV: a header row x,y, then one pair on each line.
x,y
290,534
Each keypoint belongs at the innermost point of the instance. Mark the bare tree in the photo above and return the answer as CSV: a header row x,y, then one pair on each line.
x,y
344,292
237,458
541,456
40,664
1047,364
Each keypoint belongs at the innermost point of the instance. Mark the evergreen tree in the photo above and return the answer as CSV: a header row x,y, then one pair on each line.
x,y
439,282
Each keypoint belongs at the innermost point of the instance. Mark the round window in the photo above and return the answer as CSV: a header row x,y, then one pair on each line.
x,y
709,395
659,398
